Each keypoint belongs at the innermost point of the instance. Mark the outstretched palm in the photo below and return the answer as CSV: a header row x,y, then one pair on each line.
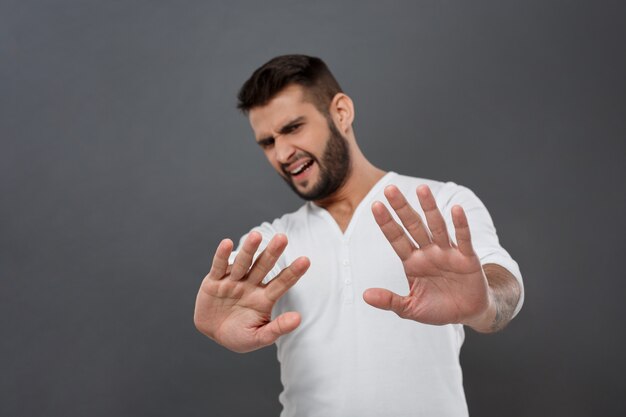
x,y
446,281
233,305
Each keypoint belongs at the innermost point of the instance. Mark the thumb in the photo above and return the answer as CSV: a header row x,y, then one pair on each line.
x,y
384,299
283,324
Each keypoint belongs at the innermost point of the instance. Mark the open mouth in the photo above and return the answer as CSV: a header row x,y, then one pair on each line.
x,y
301,168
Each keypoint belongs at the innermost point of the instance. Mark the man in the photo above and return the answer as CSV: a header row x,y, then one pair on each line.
x,y
340,354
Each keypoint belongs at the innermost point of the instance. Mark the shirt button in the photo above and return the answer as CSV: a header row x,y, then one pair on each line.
x,y
346,262
348,282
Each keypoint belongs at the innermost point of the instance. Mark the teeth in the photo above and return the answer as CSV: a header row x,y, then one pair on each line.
x,y
300,168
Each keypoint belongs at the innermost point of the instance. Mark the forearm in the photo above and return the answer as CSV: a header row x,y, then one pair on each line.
x,y
504,292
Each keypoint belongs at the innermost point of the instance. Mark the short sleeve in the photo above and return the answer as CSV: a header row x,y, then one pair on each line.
x,y
484,237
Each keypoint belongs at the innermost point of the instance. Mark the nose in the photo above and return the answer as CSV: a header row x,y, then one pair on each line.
x,y
284,150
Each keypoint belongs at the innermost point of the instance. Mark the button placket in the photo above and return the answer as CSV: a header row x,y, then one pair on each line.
x,y
346,274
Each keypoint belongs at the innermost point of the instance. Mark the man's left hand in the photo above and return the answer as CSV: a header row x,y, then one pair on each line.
x,y
447,283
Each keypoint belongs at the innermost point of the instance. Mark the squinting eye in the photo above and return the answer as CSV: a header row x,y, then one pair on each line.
x,y
293,128
267,143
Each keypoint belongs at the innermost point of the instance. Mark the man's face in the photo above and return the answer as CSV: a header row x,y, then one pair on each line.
x,y
304,147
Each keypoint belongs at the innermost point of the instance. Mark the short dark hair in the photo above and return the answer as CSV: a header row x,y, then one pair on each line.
x,y
320,86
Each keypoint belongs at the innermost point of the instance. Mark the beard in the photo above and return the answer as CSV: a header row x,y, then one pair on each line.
x,y
334,167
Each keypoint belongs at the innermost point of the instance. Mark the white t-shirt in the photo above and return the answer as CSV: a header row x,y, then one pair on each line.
x,y
348,358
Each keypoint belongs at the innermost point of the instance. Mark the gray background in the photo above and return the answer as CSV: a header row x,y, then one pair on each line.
x,y
123,163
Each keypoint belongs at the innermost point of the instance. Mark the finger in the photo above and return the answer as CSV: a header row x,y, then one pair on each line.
x,y
286,279
462,231
267,259
436,223
283,324
220,260
411,220
394,233
244,257
385,300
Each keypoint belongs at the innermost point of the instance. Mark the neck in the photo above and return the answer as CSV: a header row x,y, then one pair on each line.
x,y
342,204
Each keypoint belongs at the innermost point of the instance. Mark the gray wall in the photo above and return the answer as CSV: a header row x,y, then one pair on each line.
x,y
123,163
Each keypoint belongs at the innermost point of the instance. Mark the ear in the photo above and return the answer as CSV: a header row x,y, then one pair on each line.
x,y
342,112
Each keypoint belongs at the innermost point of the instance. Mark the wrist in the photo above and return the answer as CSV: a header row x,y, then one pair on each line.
x,y
482,322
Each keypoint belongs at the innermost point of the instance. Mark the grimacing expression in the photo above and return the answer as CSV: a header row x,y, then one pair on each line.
x,y
334,167
302,143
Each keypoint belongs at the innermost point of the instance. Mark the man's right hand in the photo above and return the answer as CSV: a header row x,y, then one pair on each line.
x,y
234,307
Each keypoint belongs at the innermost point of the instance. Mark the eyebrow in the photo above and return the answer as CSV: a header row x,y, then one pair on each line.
x,y
283,130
